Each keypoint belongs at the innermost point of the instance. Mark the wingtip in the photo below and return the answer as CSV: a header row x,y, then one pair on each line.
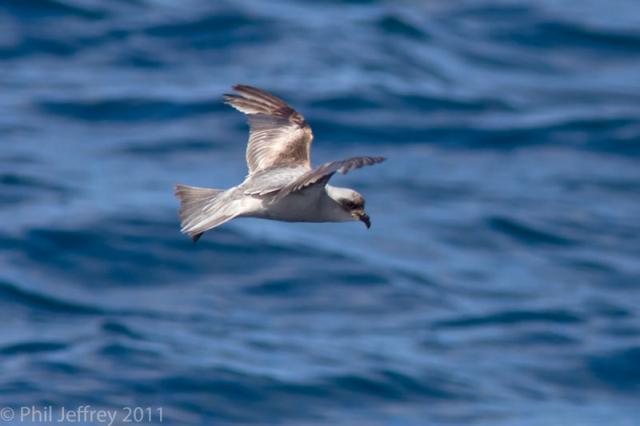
x,y
178,188
243,87
229,97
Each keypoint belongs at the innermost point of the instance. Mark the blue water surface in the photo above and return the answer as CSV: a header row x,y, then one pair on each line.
x,y
499,283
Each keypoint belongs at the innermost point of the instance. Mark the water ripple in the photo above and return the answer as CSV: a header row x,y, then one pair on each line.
x,y
496,286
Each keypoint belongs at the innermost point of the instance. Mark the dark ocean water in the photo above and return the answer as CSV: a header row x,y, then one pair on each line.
x,y
498,285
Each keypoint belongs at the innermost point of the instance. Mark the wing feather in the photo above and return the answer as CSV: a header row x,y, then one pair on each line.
x,y
270,181
278,134
321,174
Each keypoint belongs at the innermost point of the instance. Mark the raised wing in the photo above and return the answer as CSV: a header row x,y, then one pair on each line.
x,y
321,174
278,134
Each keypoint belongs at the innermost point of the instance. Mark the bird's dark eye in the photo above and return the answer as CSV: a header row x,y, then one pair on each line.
x,y
350,205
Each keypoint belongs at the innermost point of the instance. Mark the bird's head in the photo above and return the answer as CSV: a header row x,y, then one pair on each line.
x,y
351,203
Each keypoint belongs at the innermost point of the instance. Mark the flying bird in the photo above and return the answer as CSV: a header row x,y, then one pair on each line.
x,y
281,184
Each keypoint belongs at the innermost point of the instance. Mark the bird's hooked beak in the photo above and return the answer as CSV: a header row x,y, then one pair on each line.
x,y
362,217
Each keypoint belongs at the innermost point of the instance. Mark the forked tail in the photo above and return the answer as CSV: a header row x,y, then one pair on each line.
x,y
201,209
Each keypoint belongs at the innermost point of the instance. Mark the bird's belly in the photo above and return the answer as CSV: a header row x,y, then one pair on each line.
x,y
304,207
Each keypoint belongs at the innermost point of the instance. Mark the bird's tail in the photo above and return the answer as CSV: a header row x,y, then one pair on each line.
x,y
200,209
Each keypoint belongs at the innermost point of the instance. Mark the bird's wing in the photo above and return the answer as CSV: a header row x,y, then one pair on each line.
x,y
321,174
272,180
278,134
